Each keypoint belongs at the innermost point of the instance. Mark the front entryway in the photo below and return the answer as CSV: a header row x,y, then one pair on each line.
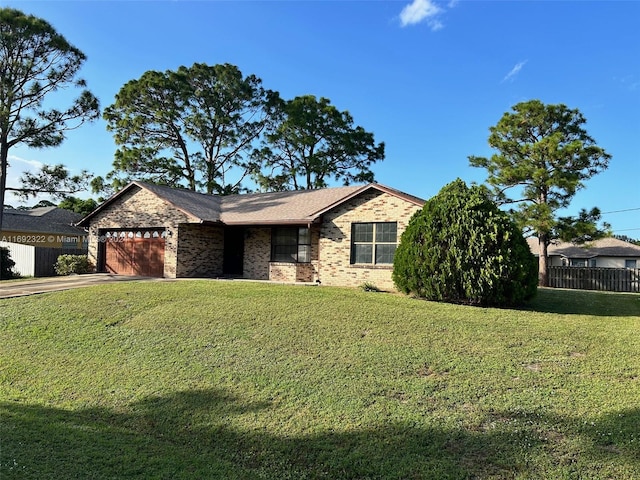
x,y
233,251
135,252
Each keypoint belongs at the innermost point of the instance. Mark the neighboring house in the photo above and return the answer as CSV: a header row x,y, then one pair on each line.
x,y
43,227
604,253
36,237
337,236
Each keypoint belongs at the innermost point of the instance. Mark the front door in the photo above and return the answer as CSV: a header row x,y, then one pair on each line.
x,y
233,251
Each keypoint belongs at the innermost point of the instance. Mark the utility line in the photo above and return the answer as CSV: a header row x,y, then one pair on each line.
x,y
618,211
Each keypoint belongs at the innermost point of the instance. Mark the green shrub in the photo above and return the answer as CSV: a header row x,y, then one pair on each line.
x,y
461,248
6,264
68,264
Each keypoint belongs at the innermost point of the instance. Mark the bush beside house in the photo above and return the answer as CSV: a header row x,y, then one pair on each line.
x,y
68,264
461,248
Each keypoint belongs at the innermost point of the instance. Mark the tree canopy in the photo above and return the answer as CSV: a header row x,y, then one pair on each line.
x,y
54,180
543,157
308,142
78,205
462,248
188,127
36,62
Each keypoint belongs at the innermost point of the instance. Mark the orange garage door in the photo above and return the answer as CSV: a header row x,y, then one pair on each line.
x,y
135,252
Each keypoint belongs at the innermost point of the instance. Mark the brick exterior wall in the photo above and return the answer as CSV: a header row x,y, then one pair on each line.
x,y
140,208
292,272
257,256
257,253
335,241
200,251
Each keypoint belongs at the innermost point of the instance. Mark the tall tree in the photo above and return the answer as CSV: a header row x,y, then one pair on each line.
x,y
78,205
582,228
35,62
309,141
545,154
188,127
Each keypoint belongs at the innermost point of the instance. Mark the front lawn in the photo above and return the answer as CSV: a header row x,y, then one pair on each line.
x,y
236,380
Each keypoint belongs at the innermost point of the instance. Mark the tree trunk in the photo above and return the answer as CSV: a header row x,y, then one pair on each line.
x,y
543,260
4,157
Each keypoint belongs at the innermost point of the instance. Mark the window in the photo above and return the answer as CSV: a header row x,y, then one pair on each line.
x,y
578,262
290,244
374,243
592,262
630,263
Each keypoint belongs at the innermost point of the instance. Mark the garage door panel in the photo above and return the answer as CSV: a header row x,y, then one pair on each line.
x,y
136,254
118,258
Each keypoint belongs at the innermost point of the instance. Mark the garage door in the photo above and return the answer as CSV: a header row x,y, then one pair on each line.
x,y
135,252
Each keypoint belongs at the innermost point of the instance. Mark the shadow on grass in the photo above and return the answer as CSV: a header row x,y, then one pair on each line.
x,y
583,302
192,435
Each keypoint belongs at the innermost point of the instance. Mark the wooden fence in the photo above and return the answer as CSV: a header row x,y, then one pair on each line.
x,y
591,278
31,261
46,258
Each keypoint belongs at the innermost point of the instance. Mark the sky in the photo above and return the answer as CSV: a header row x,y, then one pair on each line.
x,y
427,77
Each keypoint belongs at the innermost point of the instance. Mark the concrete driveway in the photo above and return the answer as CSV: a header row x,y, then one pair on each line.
x,y
19,288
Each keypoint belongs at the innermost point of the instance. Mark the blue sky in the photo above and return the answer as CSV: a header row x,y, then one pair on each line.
x,y
426,77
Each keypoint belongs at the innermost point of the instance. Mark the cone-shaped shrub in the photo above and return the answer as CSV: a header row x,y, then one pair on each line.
x,y
6,264
461,248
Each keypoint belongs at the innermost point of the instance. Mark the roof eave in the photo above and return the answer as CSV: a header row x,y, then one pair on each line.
x,y
269,223
84,222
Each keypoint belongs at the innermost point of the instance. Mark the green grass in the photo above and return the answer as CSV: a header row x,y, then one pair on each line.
x,y
235,380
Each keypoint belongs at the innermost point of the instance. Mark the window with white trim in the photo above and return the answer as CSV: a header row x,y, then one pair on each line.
x,y
374,243
291,244
630,264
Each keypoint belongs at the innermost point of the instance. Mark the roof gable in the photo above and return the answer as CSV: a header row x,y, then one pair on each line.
x,y
199,206
205,208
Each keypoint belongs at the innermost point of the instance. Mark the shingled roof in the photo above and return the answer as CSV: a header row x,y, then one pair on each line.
x,y
292,207
301,206
42,220
604,247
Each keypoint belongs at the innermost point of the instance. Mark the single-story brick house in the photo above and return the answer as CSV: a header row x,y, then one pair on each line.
x,y
337,236
603,253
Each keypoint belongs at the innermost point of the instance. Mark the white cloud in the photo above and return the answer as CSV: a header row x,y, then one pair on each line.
x,y
17,166
514,71
31,164
419,11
